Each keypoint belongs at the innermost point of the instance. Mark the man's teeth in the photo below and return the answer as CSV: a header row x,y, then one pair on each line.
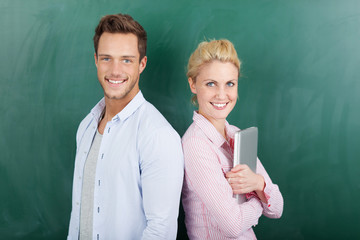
x,y
115,82
219,104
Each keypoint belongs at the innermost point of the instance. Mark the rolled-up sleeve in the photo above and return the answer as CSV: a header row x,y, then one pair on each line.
x,y
274,207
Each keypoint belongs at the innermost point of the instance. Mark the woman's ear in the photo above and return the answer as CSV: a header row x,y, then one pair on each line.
x,y
192,85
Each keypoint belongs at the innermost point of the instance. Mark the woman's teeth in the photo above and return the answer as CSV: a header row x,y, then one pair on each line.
x,y
220,105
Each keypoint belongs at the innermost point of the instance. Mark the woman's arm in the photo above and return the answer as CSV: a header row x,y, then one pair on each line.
x,y
243,180
204,174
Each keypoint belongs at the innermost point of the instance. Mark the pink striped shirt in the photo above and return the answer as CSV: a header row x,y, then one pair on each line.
x,y
211,212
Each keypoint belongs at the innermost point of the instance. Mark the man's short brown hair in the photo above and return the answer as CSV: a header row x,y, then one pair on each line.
x,y
121,23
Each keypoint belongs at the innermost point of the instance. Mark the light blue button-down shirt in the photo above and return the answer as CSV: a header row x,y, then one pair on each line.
x,y
139,174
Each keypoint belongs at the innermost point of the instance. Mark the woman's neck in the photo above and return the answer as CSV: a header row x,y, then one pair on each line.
x,y
220,127
219,124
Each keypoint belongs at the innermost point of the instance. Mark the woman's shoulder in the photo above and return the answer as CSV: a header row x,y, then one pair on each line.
x,y
193,132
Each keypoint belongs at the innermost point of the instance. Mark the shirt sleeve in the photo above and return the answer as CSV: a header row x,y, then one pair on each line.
x,y
274,207
204,173
162,171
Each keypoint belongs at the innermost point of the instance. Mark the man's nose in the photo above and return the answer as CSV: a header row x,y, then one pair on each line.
x,y
116,68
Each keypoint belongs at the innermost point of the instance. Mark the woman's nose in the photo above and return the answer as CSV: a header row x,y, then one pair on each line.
x,y
221,93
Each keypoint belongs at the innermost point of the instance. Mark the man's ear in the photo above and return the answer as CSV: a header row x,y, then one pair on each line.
x,y
192,85
142,64
96,59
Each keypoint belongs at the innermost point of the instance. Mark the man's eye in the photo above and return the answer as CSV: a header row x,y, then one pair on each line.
x,y
210,84
127,61
106,59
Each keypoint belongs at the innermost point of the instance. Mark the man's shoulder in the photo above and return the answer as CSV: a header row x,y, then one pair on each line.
x,y
85,123
90,117
94,113
151,116
152,122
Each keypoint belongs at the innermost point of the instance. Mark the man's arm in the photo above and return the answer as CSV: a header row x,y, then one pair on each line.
x,y
162,170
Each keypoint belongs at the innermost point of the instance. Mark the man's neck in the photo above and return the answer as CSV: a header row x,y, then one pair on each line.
x,y
112,107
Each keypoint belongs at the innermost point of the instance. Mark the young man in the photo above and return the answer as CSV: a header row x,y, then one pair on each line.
x,y
129,164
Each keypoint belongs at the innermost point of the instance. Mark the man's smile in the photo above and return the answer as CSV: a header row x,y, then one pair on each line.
x,y
116,81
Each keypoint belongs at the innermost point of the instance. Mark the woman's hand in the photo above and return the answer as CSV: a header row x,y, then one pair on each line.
x,y
243,180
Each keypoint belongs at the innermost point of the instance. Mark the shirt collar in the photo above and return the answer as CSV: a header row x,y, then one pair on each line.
x,y
210,131
129,109
97,110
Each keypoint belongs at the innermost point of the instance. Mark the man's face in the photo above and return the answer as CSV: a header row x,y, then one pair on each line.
x,y
118,66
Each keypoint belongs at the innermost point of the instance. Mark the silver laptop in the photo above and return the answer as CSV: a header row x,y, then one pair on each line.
x,y
245,151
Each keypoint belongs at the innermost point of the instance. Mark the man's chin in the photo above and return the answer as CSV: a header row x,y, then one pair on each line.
x,y
114,97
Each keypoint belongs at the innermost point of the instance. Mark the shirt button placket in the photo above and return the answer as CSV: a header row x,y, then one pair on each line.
x,y
99,182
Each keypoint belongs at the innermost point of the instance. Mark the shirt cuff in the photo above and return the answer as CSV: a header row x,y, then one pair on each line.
x,y
267,193
251,195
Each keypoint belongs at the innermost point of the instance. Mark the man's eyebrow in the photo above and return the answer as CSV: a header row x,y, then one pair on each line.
x,y
108,55
128,56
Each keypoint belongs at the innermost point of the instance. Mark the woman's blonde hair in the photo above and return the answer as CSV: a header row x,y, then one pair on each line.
x,y
222,50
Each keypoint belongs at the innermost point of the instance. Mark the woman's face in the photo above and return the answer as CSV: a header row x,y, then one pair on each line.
x,y
216,89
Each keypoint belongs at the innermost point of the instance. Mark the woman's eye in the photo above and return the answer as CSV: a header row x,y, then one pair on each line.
x,y
230,84
210,84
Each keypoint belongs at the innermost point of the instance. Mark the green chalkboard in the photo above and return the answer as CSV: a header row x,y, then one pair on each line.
x,y
300,86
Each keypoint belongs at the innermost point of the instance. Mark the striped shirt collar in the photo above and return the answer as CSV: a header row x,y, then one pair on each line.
x,y
210,131
129,109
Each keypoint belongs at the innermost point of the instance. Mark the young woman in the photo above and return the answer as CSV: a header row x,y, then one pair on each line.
x,y
211,212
